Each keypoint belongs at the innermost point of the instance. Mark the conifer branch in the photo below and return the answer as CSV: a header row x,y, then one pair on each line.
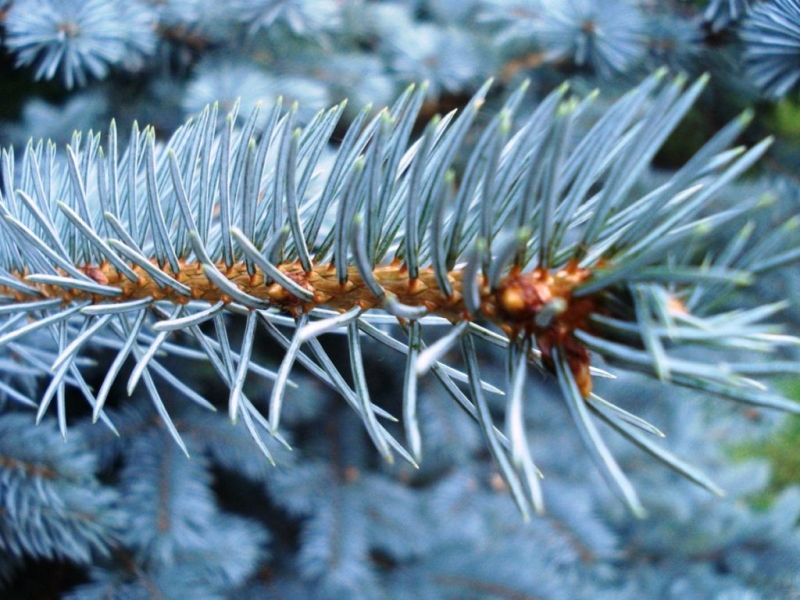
x,y
546,237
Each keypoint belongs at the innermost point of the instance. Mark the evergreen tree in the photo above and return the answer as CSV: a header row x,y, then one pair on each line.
x,y
333,347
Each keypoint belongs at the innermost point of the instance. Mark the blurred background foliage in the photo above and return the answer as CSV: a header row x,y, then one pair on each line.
x,y
130,517
780,449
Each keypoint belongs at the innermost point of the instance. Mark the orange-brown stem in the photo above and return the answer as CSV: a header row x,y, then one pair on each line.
x,y
513,306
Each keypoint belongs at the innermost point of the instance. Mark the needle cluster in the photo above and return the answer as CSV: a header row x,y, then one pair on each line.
x,y
546,244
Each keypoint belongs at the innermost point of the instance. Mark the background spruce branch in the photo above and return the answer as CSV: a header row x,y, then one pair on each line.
x,y
501,262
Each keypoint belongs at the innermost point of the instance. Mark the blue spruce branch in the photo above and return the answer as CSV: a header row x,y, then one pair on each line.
x,y
547,238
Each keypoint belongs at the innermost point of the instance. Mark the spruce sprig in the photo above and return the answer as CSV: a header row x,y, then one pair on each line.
x,y
549,234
